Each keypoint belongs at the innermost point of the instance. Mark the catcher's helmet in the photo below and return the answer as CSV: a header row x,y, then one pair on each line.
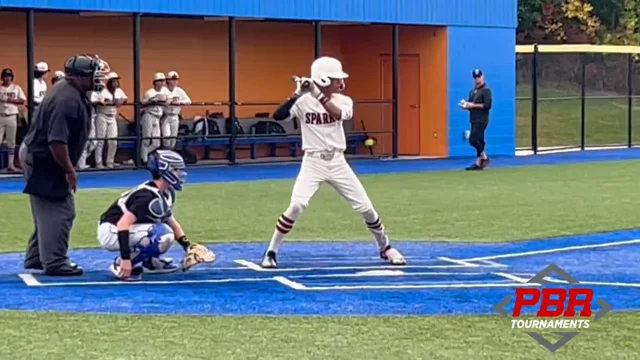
x,y
7,72
168,165
326,68
88,65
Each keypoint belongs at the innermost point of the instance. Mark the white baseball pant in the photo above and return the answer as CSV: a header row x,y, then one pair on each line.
x,y
108,236
150,128
337,173
169,128
90,146
106,127
331,168
9,127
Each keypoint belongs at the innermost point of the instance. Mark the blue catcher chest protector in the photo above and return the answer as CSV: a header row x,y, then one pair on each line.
x,y
169,166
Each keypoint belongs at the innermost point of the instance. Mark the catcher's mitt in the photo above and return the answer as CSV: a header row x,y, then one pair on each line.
x,y
197,254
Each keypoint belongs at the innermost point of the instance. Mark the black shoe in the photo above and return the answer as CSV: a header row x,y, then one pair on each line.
x,y
33,265
65,270
269,260
484,163
473,167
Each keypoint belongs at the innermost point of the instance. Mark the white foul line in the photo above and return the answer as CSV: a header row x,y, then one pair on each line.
x,y
511,277
423,286
459,262
35,283
253,266
493,263
289,283
29,279
550,251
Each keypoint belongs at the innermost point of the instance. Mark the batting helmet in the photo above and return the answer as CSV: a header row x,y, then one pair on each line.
x,y
168,165
326,68
88,65
7,72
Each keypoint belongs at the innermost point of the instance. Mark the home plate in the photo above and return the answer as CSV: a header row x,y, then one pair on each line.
x,y
381,273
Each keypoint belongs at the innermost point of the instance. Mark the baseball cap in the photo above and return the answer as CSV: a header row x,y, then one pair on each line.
x,y
42,66
7,72
476,73
173,75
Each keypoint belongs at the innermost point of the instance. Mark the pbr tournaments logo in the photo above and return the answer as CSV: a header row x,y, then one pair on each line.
x,y
556,308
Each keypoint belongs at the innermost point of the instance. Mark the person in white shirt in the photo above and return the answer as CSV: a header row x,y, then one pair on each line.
x,y
57,76
171,120
40,82
154,101
11,95
321,109
107,103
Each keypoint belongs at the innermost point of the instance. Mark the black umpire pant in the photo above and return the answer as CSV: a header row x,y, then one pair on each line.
x,y
52,221
476,137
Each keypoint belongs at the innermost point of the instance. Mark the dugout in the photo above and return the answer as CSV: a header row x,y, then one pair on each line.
x,y
409,67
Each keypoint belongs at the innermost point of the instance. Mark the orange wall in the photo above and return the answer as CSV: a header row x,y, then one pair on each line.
x,y
267,55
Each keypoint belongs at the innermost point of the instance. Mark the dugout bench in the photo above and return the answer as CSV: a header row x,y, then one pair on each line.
x,y
246,141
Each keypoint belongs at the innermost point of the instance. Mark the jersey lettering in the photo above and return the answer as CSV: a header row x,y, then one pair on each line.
x,y
319,118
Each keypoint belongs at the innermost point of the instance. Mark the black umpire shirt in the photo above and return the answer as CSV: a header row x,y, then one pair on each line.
x,y
64,117
480,95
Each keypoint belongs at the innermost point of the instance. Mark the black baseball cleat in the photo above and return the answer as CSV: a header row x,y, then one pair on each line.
x,y
65,270
269,260
473,167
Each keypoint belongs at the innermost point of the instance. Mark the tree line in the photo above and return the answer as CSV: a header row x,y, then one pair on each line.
x,y
610,22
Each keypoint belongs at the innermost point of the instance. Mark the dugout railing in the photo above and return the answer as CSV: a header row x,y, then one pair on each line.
x,y
577,97
232,143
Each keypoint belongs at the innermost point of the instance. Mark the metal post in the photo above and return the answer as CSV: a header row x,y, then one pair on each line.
x,y
395,61
583,101
534,100
630,100
317,32
136,88
232,88
30,65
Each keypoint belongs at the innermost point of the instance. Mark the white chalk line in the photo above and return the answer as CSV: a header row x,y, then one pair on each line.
x,y
253,266
554,250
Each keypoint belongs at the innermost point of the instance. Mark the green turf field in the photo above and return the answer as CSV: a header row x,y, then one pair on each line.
x,y
559,120
515,203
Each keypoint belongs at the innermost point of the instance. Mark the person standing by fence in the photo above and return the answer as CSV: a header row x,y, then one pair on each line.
x,y
478,104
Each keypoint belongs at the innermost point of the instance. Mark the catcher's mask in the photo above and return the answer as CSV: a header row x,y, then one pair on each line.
x,y
169,166
88,65
325,69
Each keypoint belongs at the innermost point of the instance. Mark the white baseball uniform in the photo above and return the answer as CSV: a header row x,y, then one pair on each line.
x,y
324,143
90,146
171,120
9,115
39,90
151,121
106,123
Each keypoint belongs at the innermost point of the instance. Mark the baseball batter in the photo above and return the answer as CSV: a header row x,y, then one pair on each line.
x,y
177,98
11,95
321,110
154,101
107,102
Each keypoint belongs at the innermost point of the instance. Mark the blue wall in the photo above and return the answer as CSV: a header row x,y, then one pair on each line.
x,y
489,13
493,51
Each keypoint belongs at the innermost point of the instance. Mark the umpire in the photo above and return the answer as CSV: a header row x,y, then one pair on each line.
x,y
478,105
48,155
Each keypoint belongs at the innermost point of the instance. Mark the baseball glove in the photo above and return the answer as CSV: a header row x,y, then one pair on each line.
x,y
197,254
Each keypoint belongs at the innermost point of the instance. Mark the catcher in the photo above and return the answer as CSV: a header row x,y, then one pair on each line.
x,y
141,226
